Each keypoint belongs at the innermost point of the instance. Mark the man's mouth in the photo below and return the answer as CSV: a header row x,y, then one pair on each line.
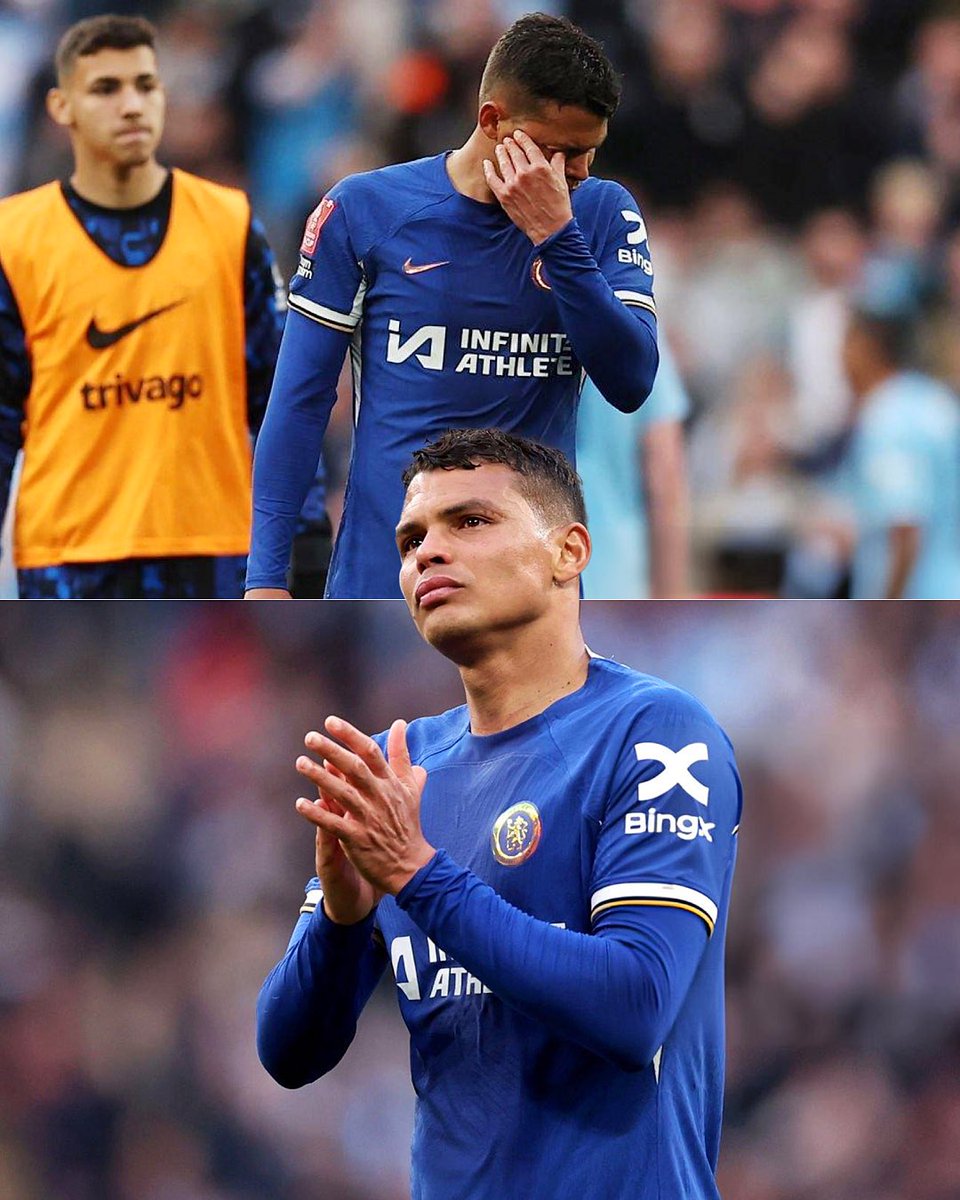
x,y
434,590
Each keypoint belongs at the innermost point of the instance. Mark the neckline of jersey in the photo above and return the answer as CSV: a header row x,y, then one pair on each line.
x,y
490,741
485,208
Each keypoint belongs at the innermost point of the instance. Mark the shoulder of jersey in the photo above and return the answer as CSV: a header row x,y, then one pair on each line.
x,y
427,735
398,185
24,200
430,735
207,185
631,691
596,193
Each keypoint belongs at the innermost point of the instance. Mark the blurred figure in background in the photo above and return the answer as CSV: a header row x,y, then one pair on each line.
x,y
634,472
140,317
902,464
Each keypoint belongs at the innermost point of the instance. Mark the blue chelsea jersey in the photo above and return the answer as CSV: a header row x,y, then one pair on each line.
x,y
453,324
618,800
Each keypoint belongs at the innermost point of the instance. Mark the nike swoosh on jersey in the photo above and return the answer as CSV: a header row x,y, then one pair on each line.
x,y
101,339
410,269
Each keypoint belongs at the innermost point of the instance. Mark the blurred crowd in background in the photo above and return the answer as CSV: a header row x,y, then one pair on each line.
x,y
786,152
152,866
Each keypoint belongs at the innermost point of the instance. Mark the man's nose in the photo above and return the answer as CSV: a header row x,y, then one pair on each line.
x,y
433,548
131,100
578,168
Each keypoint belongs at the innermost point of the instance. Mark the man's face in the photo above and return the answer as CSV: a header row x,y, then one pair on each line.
x,y
476,558
575,132
113,102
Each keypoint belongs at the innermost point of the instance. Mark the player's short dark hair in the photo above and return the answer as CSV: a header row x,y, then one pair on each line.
x,y
547,480
549,58
106,32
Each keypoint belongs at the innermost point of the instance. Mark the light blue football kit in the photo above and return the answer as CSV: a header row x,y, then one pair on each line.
x,y
609,464
559,961
904,469
453,319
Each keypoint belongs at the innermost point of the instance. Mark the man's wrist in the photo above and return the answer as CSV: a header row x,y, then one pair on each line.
x,y
421,859
544,239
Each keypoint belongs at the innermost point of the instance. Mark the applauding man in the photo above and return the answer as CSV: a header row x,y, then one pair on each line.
x,y
547,869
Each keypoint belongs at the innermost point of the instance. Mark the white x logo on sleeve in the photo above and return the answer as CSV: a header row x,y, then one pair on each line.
x,y
676,770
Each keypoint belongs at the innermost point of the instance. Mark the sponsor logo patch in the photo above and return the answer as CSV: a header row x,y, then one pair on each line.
x,y
315,222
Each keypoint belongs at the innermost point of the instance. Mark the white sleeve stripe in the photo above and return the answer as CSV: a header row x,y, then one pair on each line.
x,y
637,298
308,308
312,899
624,892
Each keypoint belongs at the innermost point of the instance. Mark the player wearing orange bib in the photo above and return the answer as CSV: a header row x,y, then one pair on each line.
x,y
139,324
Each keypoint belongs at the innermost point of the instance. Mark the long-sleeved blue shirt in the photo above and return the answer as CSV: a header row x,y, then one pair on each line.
x,y
559,961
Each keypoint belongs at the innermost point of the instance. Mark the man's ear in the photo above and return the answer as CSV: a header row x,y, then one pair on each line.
x,y
59,107
572,553
490,118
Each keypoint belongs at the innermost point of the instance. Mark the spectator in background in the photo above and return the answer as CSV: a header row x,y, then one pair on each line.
x,y
303,98
682,116
903,266
902,463
814,132
834,245
634,472
140,315
928,98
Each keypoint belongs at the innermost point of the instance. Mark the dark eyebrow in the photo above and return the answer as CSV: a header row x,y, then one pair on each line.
x,y
143,77
452,510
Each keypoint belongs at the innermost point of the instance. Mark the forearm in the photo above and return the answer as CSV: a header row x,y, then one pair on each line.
x,y
289,445
616,344
309,1004
617,996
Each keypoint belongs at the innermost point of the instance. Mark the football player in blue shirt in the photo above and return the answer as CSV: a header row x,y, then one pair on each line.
x,y
472,289
547,869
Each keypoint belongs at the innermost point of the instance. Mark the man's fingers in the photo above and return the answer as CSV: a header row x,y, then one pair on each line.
x,y
350,765
337,788
529,147
328,822
398,753
518,158
494,182
362,744
505,163
558,165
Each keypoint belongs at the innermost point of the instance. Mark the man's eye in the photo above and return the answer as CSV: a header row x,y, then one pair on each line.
x,y
474,522
410,543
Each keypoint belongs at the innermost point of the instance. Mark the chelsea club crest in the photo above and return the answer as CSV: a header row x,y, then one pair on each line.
x,y
516,834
